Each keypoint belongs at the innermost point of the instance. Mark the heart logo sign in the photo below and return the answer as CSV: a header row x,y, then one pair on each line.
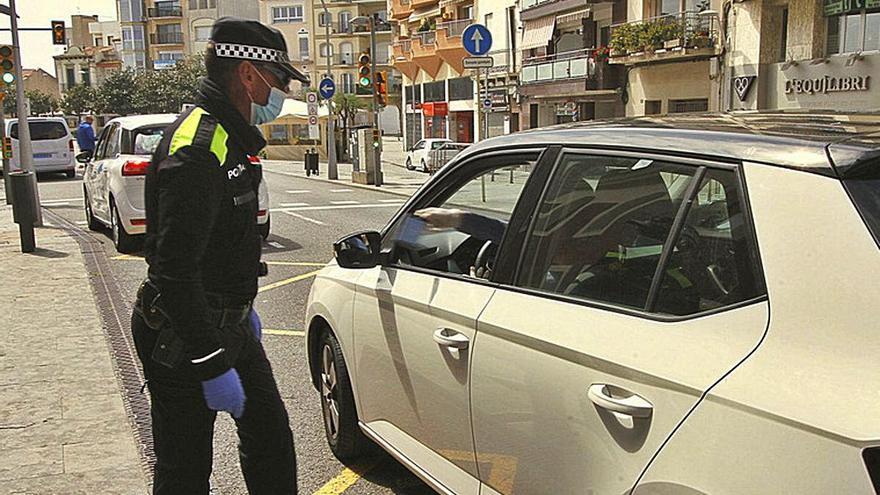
x,y
742,85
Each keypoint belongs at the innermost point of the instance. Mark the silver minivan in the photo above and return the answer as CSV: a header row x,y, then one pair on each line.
x,y
52,145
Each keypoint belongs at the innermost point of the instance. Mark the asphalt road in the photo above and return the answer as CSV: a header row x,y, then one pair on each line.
x,y
307,215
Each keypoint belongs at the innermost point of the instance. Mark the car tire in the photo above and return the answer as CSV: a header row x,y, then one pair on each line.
x,y
344,436
263,229
409,164
424,167
71,174
124,242
91,221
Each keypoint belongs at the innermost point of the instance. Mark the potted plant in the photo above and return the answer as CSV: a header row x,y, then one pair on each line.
x,y
621,40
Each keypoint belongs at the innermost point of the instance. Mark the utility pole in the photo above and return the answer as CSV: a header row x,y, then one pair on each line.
x,y
376,129
25,149
332,168
7,182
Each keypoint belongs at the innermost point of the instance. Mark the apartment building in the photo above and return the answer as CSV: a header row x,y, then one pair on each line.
x,y
168,42
199,17
293,18
566,75
92,54
803,54
133,27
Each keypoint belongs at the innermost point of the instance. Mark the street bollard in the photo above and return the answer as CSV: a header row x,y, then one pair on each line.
x,y
24,208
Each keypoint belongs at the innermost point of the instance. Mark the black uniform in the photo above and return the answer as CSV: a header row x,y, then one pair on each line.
x,y
203,251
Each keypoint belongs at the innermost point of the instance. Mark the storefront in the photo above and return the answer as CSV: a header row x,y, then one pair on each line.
x,y
845,82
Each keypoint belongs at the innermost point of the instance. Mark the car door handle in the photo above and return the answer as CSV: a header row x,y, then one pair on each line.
x,y
633,405
450,338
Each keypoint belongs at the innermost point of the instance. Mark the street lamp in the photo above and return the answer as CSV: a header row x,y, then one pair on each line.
x,y
371,21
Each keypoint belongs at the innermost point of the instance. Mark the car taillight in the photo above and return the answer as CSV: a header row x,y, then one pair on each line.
x,y
261,213
872,462
255,160
70,145
135,167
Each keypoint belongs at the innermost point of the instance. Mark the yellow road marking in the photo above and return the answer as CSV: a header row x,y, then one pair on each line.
x,y
282,283
294,333
127,257
344,480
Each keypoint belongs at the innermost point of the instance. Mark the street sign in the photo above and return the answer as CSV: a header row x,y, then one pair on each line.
x,y
311,97
313,120
487,102
478,62
327,88
477,40
313,108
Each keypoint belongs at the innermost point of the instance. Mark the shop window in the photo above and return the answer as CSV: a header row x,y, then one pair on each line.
x,y
435,91
299,134
687,106
653,107
853,32
461,88
278,134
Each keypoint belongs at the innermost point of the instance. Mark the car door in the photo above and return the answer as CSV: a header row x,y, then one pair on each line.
x,y
417,153
638,289
111,155
91,175
415,316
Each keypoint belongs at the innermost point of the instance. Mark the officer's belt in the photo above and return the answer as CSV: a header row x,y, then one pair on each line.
x,y
222,310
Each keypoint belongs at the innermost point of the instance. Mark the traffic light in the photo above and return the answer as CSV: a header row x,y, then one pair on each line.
x,y
377,138
7,147
365,74
7,64
58,37
381,87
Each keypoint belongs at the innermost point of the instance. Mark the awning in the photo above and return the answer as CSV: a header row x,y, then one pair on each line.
x,y
425,13
538,33
572,19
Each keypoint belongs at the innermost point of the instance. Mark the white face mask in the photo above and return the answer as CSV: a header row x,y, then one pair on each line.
x,y
263,114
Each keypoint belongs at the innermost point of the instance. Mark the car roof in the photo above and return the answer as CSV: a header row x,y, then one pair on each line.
x,y
827,143
135,121
40,119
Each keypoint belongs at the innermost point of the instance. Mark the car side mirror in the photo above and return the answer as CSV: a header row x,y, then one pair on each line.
x,y
84,157
358,250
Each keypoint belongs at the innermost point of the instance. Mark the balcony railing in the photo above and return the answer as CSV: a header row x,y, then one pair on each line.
x,y
166,38
154,12
668,33
576,64
427,37
454,28
527,4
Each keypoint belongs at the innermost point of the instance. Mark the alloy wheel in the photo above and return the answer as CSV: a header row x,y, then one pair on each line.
x,y
329,392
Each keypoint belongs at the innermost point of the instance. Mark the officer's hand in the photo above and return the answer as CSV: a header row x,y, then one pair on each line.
x,y
256,324
440,218
225,393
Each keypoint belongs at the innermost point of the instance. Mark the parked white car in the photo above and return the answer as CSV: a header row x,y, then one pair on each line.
x,y
113,180
417,156
52,143
677,305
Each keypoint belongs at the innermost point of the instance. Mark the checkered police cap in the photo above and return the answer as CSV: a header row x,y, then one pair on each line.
x,y
247,39
248,52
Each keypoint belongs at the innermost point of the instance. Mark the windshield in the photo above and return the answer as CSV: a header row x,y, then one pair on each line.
x,y
142,141
863,184
42,131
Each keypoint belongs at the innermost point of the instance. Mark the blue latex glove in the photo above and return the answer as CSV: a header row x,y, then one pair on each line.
x,y
256,324
225,393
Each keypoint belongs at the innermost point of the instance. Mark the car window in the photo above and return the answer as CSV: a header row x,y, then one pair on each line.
x,y
419,145
713,261
113,147
863,184
437,144
142,141
101,145
601,227
43,131
471,215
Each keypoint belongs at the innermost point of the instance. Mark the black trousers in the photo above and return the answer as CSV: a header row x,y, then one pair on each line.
x,y
183,426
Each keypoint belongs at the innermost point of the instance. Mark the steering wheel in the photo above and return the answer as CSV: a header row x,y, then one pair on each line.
x,y
481,263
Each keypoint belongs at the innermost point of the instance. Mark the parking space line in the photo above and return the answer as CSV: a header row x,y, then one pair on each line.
x,y
298,191
335,207
292,333
287,281
289,205
295,263
344,480
392,201
302,217
346,202
127,257
340,190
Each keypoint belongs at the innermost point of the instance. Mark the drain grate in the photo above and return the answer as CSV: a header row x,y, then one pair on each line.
x,y
115,312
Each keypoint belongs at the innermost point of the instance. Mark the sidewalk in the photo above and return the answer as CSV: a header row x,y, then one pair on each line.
x,y
397,179
63,427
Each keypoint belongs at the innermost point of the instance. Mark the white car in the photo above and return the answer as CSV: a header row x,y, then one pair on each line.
x,y
417,156
113,180
52,145
676,305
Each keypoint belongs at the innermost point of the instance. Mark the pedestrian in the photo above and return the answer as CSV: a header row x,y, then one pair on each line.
x,y
195,329
85,135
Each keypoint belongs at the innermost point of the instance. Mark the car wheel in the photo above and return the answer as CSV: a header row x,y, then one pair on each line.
x,y
337,403
91,221
124,242
263,229
424,167
71,174
409,164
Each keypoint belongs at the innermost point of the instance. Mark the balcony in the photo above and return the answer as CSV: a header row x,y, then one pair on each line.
x,y
157,12
166,38
449,45
424,52
401,9
683,36
402,59
349,29
569,73
421,4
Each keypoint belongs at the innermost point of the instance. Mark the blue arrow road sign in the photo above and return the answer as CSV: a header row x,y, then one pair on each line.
x,y
327,88
477,39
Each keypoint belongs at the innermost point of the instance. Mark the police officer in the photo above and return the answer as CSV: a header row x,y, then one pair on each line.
x,y
194,326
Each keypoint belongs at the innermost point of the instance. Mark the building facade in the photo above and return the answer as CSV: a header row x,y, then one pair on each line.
x,y
133,28
92,54
167,28
294,20
199,17
40,80
800,54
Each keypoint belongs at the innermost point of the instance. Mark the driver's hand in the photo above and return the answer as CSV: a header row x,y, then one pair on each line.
x,y
440,218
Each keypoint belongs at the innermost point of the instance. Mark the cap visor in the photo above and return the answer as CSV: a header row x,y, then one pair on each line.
x,y
294,74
